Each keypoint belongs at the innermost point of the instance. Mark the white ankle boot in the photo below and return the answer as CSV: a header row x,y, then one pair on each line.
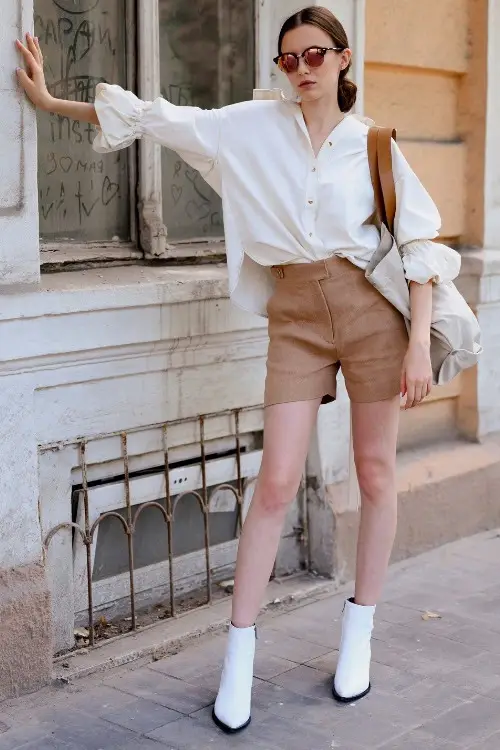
x,y
352,678
232,708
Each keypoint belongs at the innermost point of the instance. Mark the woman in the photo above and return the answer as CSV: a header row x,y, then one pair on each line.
x,y
298,214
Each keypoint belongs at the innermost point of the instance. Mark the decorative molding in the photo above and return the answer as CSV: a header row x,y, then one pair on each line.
x,y
152,230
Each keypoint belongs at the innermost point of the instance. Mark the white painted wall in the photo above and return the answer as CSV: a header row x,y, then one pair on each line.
x,y
492,157
19,259
486,265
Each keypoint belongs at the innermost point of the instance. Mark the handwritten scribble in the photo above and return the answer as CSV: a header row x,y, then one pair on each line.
x,y
81,196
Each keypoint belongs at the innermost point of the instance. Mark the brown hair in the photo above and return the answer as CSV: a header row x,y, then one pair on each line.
x,y
324,19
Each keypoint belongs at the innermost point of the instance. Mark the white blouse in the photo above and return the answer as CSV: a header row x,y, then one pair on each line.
x,y
281,203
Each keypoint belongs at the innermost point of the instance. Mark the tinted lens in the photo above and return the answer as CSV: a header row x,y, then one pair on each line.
x,y
288,63
314,57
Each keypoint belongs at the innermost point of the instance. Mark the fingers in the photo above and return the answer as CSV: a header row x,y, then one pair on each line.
x,y
39,50
416,392
402,385
410,395
32,48
28,56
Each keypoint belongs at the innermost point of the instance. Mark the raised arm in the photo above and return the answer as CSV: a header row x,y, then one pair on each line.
x,y
122,117
33,82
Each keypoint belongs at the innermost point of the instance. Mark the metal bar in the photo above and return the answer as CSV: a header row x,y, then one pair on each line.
x,y
238,464
170,519
206,509
88,538
157,425
130,538
305,521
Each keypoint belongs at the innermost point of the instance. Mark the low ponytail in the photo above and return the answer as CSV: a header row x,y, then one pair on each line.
x,y
347,91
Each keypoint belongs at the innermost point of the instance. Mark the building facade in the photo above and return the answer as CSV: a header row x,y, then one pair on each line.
x,y
121,354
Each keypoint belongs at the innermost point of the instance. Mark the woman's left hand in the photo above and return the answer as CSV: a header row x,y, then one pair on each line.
x,y
416,376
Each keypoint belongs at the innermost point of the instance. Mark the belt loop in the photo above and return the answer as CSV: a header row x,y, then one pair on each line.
x,y
327,269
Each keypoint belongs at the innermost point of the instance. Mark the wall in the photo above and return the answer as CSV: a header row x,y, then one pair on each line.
x,y
416,60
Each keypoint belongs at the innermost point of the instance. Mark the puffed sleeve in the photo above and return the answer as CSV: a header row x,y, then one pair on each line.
x,y
192,132
416,224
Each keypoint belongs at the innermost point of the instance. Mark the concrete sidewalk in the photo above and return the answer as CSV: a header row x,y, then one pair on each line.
x,y
436,677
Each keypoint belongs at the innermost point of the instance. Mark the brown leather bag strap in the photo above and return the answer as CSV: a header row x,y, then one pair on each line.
x,y
380,161
374,173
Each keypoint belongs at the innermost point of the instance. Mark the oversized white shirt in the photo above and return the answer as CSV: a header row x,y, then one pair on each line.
x,y
281,203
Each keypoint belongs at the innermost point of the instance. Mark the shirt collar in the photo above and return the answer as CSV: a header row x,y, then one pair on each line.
x,y
346,125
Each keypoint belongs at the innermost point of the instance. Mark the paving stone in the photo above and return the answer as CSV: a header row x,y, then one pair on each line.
x,y
191,734
92,734
324,633
306,681
193,660
168,691
468,724
432,692
277,643
421,653
48,743
98,700
477,636
267,666
22,734
378,717
418,740
391,680
482,676
142,716
140,743
275,731
492,743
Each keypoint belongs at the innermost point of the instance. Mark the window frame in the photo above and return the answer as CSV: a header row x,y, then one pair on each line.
x,y
148,232
68,255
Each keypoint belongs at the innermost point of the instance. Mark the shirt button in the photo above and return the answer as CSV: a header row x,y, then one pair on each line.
x,y
314,169
310,202
310,234
330,143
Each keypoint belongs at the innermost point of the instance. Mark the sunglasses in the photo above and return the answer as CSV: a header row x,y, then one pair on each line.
x,y
314,57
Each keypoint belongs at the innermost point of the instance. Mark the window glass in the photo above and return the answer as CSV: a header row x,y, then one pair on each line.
x,y
207,60
83,196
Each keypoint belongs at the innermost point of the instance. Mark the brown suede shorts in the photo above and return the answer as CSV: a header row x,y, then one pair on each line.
x,y
324,316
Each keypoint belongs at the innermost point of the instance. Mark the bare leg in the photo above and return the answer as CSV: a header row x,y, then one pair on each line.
x,y
375,429
287,432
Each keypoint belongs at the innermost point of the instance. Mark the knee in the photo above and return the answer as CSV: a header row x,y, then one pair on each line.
x,y
377,479
275,492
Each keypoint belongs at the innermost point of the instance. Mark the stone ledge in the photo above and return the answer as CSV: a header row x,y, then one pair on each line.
x,y
116,287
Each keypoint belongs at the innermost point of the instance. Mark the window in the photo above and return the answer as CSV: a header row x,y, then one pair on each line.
x,y
199,53
206,65
83,196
